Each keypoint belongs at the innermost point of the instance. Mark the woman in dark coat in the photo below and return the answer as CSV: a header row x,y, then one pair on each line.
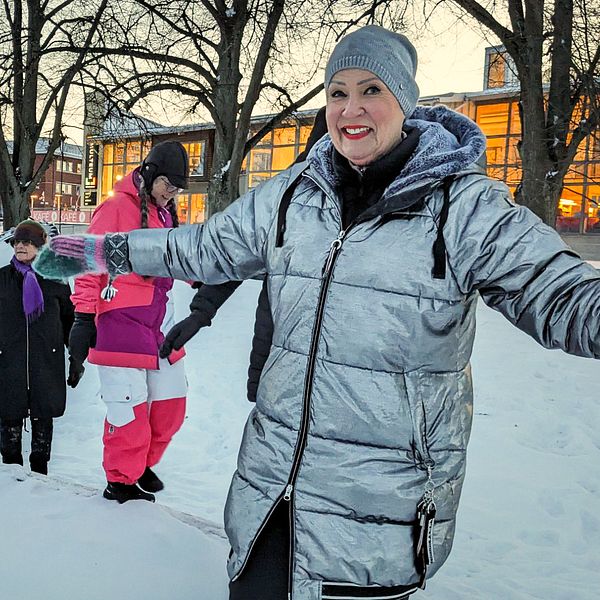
x,y
35,321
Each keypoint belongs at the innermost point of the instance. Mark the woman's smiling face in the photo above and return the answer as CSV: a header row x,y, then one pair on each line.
x,y
364,118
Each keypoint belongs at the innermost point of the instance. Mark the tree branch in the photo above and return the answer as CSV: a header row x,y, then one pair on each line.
x,y
274,121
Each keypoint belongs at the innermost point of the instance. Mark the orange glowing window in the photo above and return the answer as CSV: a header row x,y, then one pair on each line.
x,y
496,151
283,158
284,136
493,118
496,75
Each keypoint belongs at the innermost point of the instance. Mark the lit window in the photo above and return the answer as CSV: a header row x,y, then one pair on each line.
x,y
196,155
275,152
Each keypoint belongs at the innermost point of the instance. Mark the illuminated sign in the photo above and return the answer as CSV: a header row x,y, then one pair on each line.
x,y
91,165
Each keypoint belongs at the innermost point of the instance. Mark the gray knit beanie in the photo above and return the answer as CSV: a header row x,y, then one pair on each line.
x,y
384,53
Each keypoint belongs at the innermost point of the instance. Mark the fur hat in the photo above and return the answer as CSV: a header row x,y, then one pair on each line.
x,y
30,230
169,159
384,53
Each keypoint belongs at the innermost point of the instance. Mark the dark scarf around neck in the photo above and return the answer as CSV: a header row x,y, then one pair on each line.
x,y
362,188
33,299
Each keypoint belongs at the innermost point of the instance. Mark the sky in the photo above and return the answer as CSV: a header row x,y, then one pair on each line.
x,y
451,57
528,526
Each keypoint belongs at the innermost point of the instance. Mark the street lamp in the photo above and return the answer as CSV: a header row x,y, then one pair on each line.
x,y
62,168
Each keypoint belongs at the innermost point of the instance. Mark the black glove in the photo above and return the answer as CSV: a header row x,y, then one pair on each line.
x,y
183,332
76,370
82,337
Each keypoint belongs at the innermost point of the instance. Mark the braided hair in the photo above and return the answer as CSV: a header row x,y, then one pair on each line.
x,y
145,197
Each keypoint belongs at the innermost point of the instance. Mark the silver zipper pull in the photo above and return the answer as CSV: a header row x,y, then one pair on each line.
x,y
335,246
288,492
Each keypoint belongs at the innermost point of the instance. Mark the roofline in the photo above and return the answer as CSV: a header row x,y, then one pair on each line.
x,y
148,132
41,149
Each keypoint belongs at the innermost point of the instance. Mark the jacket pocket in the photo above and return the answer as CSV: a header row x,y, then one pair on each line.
x,y
119,402
414,394
348,591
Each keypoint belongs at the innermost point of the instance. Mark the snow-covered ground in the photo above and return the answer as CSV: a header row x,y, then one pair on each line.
x,y
528,526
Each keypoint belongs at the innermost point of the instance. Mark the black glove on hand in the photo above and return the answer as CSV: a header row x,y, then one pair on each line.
x,y
82,337
76,370
183,332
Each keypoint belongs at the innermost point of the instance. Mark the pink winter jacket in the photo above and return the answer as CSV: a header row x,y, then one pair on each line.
x,y
131,326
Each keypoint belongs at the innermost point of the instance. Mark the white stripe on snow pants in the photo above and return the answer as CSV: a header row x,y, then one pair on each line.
x,y
144,409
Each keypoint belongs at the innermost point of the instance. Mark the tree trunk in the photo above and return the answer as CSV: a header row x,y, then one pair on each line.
x,y
540,189
223,186
538,183
542,179
16,208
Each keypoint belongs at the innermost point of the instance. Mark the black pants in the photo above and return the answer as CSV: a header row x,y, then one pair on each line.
x,y
11,436
265,576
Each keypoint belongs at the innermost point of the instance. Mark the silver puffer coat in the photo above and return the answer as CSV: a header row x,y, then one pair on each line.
x,y
365,401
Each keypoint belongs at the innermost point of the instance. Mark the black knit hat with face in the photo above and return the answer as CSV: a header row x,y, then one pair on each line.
x,y
30,230
169,159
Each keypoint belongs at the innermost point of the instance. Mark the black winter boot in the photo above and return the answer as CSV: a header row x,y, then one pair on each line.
x,y
41,444
150,482
11,435
122,492
38,465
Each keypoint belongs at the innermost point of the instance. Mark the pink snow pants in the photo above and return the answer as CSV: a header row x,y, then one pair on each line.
x,y
144,410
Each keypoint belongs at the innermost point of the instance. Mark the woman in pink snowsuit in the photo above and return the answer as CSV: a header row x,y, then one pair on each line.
x,y
120,325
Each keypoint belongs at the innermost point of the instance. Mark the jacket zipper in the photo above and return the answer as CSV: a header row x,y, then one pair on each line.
x,y
301,442
260,530
334,251
287,494
292,532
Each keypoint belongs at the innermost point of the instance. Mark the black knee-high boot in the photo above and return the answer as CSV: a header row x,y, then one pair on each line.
x,y
11,434
41,444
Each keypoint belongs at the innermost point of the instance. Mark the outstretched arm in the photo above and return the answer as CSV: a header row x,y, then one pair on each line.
x,y
523,269
230,246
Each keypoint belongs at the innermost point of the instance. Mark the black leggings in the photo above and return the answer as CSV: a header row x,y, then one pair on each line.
x,y
265,576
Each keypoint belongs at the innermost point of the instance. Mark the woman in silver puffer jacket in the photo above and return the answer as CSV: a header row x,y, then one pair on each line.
x,y
376,249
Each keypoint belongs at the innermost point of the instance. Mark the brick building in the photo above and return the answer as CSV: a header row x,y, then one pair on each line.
x,y
57,198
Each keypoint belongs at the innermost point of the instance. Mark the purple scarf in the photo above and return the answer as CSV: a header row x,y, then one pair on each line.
x,y
33,299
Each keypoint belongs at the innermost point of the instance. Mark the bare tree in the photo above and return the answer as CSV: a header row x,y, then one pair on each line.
x,y
224,59
36,75
555,46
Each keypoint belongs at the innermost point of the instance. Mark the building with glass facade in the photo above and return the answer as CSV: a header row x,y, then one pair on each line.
x,y
496,111
117,146
120,147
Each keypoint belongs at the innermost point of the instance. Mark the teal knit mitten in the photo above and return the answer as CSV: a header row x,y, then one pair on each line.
x,y
72,255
